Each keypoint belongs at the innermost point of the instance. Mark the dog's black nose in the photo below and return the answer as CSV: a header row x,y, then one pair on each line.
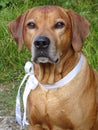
x,y
42,42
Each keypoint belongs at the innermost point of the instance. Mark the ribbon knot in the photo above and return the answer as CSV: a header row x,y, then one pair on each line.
x,y
29,68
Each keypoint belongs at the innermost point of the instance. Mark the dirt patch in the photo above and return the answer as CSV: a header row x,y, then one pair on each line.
x,y
9,123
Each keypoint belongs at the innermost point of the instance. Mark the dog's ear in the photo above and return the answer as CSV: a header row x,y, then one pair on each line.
x,y
16,29
80,30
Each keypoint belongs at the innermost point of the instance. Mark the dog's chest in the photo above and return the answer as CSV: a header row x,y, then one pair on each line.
x,y
51,106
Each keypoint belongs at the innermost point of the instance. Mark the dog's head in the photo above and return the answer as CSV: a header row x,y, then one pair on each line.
x,y
49,32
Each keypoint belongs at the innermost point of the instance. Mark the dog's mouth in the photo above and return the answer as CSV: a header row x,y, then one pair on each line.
x,y
42,59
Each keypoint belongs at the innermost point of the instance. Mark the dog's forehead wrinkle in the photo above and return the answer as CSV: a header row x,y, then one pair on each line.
x,y
46,8
46,11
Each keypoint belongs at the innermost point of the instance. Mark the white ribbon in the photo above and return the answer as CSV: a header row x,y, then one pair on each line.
x,y
67,78
32,83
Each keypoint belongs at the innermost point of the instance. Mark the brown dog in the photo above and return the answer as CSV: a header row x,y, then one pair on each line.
x,y
55,36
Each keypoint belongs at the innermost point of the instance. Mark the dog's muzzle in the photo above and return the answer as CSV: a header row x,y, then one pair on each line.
x,y
43,51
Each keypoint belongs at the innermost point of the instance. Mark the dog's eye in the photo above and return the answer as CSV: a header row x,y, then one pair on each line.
x,y
59,25
31,25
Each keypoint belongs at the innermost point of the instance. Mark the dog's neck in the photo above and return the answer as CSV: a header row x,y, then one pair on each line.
x,y
50,73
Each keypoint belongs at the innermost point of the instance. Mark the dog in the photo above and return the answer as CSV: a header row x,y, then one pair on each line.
x,y
55,36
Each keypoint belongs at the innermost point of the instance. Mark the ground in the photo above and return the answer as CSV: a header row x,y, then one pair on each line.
x,y
7,108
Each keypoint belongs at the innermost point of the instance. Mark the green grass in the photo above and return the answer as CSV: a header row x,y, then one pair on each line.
x,y
12,62
7,99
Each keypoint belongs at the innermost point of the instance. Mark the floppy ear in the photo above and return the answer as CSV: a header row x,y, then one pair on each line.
x,y
80,30
16,29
